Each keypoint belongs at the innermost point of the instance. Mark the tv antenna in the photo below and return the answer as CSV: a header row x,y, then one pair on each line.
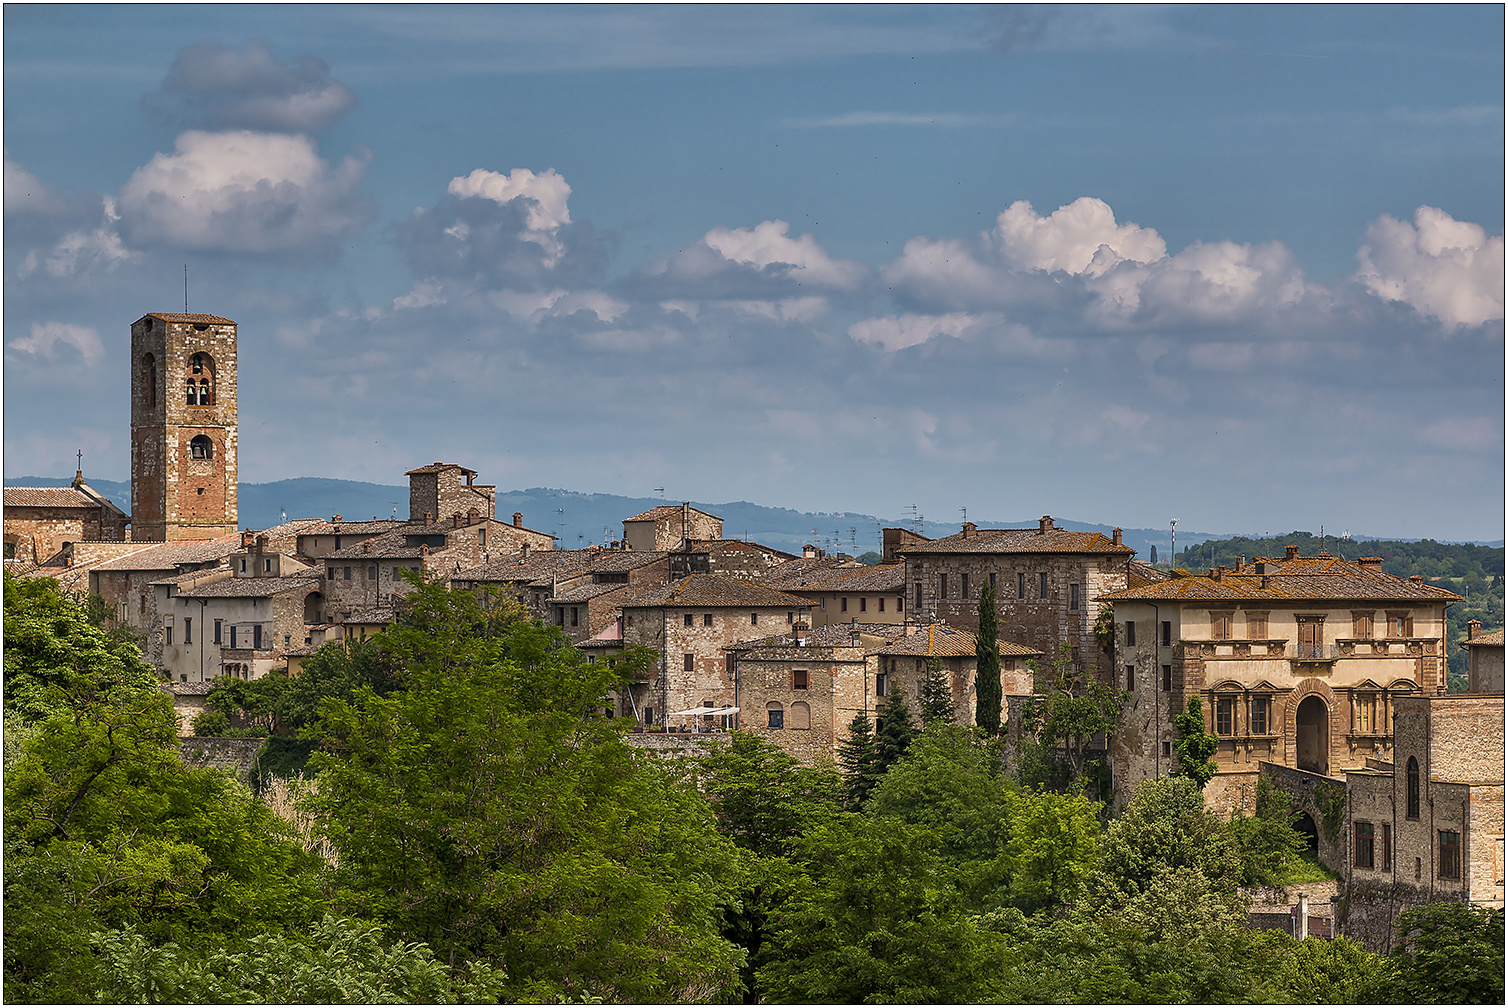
x,y
660,491
185,289
1172,542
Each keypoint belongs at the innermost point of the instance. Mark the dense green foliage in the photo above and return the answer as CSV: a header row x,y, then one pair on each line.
x,y
1194,746
936,694
1473,572
477,828
987,688
1061,723
1269,845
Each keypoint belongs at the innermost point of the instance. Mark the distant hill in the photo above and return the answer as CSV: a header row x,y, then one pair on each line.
x,y
584,518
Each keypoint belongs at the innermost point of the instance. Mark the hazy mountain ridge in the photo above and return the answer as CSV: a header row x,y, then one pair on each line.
x,y
579,518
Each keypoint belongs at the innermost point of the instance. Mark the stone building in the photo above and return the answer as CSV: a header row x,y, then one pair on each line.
x,y
1484,659
735,557
444,489
690,622
903,664
1298,661
237,620
183,427
800,690
669,526
1045,581
875,594
1427,825
41,522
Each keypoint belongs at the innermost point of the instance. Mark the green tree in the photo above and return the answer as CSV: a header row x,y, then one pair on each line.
x,y
987,665
764,798
342,962
1062,722
936,695
1193,745
491,811
1166,864
1448,953
1267,842
893,730
856,755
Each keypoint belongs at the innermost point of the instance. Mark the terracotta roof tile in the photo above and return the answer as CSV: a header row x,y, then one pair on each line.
x,y
830,635
371,527
439,467
666,511
180,317
587,592
1053,540
376,614
1315,578
537,564
1493,639
713,590
247,587
799,571
877,578
166,556
56,497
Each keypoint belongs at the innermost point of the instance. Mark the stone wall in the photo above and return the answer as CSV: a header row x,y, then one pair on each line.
x,y
1303,786
236,755
833,695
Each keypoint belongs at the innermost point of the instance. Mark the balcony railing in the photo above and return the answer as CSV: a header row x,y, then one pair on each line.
x,y
1316,652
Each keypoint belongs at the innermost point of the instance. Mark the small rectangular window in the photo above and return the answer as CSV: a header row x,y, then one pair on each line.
x,y
753,619
1167,633
1363,852
1021,586
243,565
992,579
882,603
863,603
942,586
1042,586
798,679
1130,633
218,625
822,603
188,630
1167,750
232,635
629,620
167,635
843,604
1361,626
777,717
879,684
963,591
1256,626
267,564
1130,677
560,615
1073,597
706,619
918,596
334,573
346,573
1387,847
688,662
687,619
1450,854
575,615
371,573
256,637
1167,678
1219,626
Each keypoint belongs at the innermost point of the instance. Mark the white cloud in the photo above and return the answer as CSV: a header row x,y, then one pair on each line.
x,y
548,191
80,250
807,309
1080,238
1438,266
25,193
1215,281
244,192
221,88
45,336
902,331
769,245
536,306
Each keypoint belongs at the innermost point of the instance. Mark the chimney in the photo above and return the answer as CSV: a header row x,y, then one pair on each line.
x,y
455,520
366,547
1418,579
472,515
853,638
1044,524
1266,581
1473,627
1217,573
1260,563
335,519
968,529
1115,537
261,544
799,632
1371,563
808,552
424,550
247,538
429,519
1240,565
1290,552
518,519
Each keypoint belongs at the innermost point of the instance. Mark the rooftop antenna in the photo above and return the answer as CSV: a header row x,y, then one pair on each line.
x,y
1172,542
561,524
185,289
395,508
282,516
661,492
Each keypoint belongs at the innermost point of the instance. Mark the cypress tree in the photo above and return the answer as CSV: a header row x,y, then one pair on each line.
x,y
893,731
856,755
937,695
987,665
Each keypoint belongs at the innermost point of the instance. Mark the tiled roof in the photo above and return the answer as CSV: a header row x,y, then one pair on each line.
x,y
1318,577
799,571
55,497
586,592
166,556
375,526
733,546
190,575
604,561
831,635
1052,540
878,578
1143,573
712,590
180,317
942,641
435,467
667,511
246,587
376,614
1494,639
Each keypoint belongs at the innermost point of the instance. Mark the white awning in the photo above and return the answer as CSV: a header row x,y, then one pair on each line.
x,y
712,711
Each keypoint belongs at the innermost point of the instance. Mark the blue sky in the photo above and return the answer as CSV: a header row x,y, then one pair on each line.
x,y
1242,266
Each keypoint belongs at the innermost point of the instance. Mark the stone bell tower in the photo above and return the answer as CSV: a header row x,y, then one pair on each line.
x,y
183,427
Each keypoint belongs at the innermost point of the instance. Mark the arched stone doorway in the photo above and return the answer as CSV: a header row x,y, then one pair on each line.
x,y
1313,724
1305,825
314,608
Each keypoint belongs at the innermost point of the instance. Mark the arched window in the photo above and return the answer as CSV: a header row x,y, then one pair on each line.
x,y
149,367
205,395
201,447
201,391
197,363
193,393
776,714
801,715
1413,788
